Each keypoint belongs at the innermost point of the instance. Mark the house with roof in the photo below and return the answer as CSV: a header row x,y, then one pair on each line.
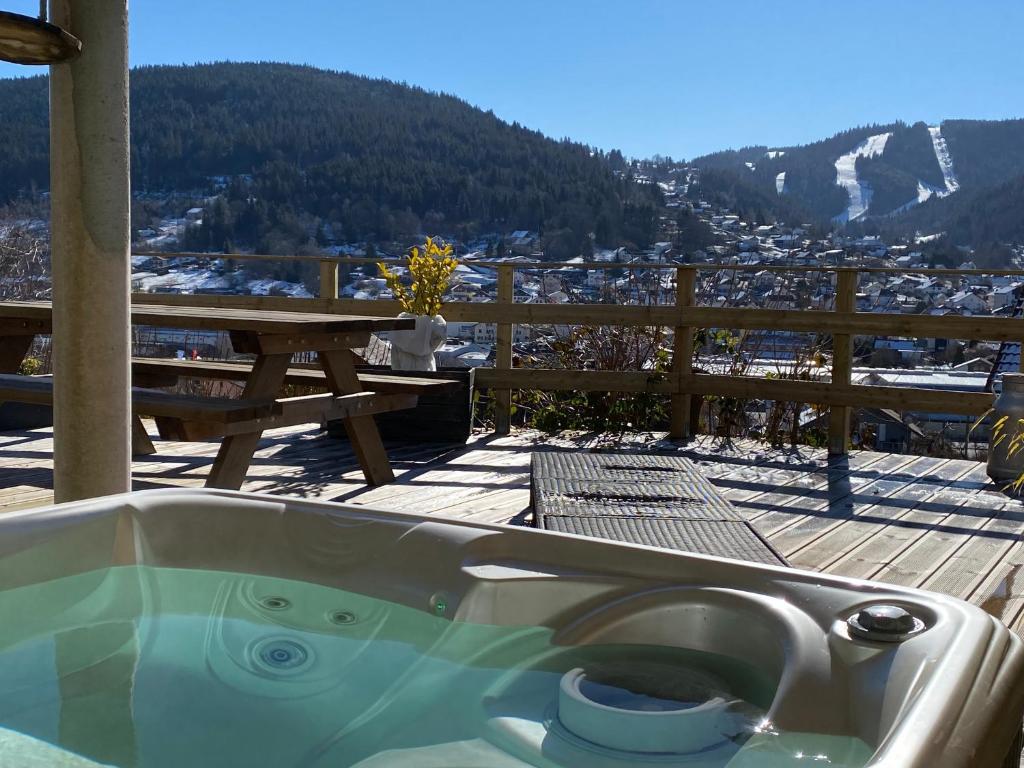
x,y
1004,296
968,301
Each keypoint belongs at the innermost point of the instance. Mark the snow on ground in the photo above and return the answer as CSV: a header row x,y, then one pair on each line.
x,y
184,281
846,176
203,280
751,166
268,287
771,154
944,158
926,190
780,182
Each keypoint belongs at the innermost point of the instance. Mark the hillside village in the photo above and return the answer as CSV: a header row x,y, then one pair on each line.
x,y
737,275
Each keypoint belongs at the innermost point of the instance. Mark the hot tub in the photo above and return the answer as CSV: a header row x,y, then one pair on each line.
x,y
209,628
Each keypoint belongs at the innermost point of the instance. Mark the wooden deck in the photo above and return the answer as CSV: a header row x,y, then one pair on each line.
x,y
933,523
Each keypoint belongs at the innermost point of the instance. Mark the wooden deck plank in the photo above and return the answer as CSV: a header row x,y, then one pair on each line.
x,y
867,522
960,566
948,529
779,504
846,502
831,498
966,568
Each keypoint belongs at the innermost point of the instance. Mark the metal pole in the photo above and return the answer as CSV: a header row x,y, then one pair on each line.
x,y
90,199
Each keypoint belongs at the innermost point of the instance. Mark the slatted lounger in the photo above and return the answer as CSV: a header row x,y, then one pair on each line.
x,y
653,499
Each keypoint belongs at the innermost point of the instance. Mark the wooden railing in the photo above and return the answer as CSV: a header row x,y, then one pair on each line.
x,y
842,323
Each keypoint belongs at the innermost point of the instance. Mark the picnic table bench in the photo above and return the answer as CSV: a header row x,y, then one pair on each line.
x,y
393,392
272,337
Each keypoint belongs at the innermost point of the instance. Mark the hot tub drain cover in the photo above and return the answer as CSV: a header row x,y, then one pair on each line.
x,y
645,708
281,656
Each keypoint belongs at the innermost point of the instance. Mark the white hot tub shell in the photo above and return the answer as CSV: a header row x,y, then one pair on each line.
x,y
946,695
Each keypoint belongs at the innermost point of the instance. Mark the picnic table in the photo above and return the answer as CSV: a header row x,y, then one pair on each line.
x,y
273,337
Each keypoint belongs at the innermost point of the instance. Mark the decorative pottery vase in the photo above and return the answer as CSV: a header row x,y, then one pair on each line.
x,y
414,350
1010,403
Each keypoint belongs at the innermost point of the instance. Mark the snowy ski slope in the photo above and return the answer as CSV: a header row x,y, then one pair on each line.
x,y
846,176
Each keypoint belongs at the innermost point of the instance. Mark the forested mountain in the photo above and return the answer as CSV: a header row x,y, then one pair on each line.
x,y
962,176
992,214
742,195
301,153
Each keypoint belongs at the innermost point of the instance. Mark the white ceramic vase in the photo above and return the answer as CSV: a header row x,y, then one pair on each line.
x,y
414,350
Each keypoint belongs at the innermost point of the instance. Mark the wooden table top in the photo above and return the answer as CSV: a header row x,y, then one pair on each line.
x,y
39,313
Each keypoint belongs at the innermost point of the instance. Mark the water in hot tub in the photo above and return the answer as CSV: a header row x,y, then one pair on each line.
x,y
153,668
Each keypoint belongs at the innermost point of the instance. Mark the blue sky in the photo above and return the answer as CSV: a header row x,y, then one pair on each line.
x,y
677,77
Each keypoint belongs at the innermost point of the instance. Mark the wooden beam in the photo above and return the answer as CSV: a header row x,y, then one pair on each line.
x,y
312,409
12,352
235,453
554,379
188,431
328,279
343,379
35,390
167,372
680,427
842,363
38,390
822,393
503,351
591,265
24,327
811,321
276,344
297,318
142,444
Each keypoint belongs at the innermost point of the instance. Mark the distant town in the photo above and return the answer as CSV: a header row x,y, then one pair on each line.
x,y
735,275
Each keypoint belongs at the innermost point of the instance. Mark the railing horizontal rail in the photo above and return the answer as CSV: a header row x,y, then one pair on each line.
x,y
747,387
982,328
590,265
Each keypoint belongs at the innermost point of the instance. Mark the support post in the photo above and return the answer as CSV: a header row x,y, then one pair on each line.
x,y
842,362
90,201
680,427
329,279
503,352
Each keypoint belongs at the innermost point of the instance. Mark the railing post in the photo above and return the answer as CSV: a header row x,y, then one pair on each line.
x,y
842,362
680,427
329,279
503,352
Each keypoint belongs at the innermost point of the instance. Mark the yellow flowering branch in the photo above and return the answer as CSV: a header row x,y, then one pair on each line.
x,y
431,268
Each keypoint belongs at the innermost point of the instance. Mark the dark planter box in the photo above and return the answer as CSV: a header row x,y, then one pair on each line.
x,y
440,418
24,416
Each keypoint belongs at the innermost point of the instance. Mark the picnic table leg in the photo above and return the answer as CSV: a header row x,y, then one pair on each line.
x,y
343,379
13,350
235,454
142,445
